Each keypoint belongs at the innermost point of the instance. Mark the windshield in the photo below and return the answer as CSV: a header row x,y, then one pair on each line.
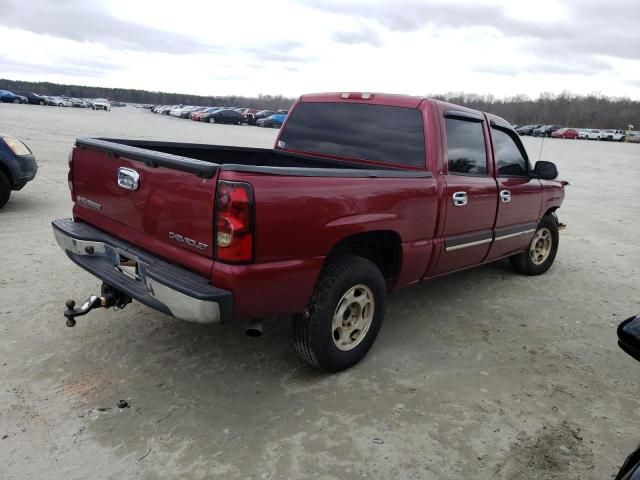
x,y
369,132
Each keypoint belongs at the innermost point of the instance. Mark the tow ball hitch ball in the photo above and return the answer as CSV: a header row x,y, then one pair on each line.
x,y
110,297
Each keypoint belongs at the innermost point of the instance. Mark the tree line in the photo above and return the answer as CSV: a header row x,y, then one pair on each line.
x,y
567,109
130,95
584,111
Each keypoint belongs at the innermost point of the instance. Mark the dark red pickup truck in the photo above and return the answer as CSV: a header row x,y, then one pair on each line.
x,y
363,194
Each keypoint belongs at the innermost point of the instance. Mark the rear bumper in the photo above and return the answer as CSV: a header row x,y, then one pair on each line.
x,y
158,284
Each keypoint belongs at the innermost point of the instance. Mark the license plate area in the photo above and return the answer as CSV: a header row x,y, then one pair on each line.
x,y
128,266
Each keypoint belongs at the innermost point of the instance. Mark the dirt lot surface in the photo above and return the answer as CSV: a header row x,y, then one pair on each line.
x,y
483,374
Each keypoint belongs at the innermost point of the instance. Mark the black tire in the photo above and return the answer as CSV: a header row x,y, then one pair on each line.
x,y
313,333
212,120
5,189
523,262
41,102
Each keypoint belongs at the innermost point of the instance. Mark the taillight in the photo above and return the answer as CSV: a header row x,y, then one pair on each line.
x,y
70,174
234,222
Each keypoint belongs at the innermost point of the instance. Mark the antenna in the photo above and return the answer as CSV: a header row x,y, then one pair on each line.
x,y
543,134
541,145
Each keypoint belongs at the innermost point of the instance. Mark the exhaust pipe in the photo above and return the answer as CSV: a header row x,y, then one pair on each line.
x,y
255,328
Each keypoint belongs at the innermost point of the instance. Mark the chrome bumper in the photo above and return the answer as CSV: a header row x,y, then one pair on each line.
x,y
156,283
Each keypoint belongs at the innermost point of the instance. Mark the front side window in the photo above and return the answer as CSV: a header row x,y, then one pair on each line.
x,y
509,158
364,131
465,147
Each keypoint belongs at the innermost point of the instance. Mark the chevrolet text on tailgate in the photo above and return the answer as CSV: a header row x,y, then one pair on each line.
x,y
363,194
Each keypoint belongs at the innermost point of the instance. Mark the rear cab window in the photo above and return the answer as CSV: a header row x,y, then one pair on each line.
x,y
360,131
466,152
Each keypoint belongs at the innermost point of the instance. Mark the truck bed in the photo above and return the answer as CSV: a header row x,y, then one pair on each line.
x,y
204,160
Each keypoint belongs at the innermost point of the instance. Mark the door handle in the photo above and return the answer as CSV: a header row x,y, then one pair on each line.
x,y
460,199
505,196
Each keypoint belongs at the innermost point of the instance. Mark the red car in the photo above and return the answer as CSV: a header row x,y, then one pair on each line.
x,y
565,133
196,116
362,195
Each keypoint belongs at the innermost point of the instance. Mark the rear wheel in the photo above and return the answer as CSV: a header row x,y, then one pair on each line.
x,y
344,315
212,120
16,100
41,102
5,189
541,251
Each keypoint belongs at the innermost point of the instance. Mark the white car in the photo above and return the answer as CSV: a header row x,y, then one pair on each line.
x,y
613,135
102,104
582,133
593,135
176,111
60,102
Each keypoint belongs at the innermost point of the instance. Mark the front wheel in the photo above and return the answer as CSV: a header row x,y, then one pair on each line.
x,y
344,315
541,251
212,120
41,102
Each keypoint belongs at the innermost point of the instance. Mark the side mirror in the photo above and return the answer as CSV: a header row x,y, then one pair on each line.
x,y
629,336
545,170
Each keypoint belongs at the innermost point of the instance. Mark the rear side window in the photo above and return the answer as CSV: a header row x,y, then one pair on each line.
x,y
465,146
369,132
509,158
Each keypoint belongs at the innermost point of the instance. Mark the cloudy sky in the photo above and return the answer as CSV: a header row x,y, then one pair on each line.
x,y
291,47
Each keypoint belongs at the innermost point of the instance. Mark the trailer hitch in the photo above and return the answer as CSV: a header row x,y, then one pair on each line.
x,y
109,297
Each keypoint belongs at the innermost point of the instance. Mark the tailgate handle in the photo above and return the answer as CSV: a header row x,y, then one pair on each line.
x,y
128,179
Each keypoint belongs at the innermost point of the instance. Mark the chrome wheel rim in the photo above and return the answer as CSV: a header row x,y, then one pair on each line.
x,y
353,317
540,246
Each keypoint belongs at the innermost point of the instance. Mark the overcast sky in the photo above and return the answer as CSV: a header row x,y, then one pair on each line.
x,y
292,47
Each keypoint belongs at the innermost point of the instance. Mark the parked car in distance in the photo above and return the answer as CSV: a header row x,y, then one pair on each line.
x,y
274,121
165,110
78,103
246,113
565,133
252,119
176,112
527,129
545,130
186,113
612,135
17,166
224,115
593,134
319,228
58,102
9,97
32,98
101,104
582,133
197,116
634,137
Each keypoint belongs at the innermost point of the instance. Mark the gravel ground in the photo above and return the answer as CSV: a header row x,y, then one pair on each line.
x,y
482,374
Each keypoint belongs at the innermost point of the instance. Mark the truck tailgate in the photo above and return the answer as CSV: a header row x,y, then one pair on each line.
x,y
169,213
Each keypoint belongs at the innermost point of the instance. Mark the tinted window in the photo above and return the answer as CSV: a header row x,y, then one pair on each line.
x,y
465,145
370,132
509,158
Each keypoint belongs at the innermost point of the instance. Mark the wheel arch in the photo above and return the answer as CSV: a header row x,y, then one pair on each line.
x,y
7,171
382,247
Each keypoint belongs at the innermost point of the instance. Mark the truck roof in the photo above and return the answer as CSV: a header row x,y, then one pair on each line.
x,y
407,101
391,99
